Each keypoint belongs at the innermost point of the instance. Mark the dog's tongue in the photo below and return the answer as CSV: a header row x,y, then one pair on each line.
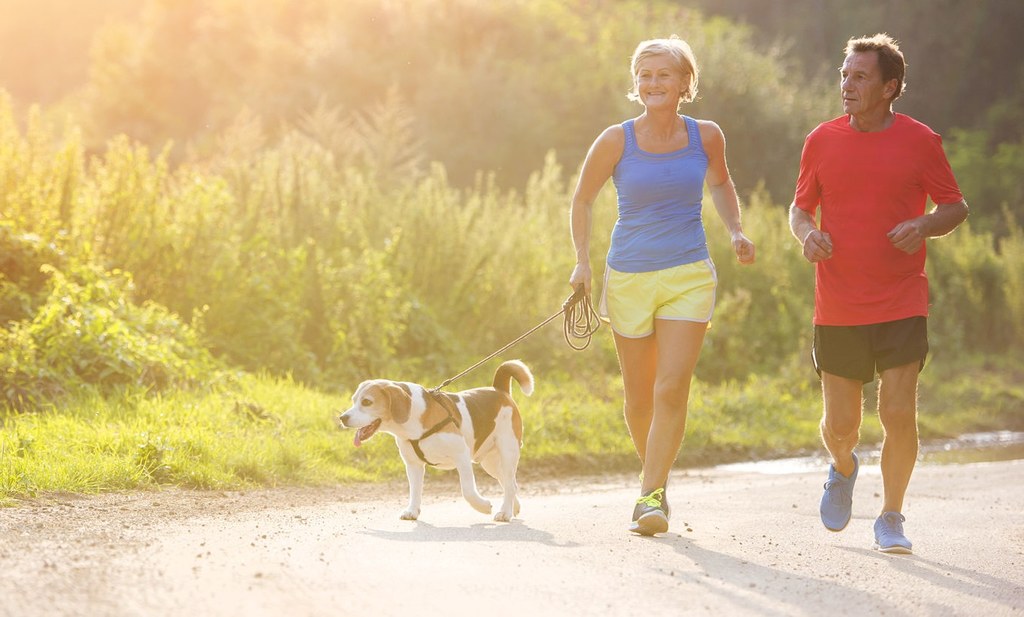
x,y
358,440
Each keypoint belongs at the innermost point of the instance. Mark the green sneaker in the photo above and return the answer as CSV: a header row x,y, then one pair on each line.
x,y
650,515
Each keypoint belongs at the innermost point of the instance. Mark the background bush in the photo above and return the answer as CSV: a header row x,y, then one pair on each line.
x,y
298,193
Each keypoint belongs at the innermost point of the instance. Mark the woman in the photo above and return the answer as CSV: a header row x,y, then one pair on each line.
x,y
659,290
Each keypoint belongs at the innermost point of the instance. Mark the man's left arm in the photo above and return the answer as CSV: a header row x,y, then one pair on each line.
x,y
909,236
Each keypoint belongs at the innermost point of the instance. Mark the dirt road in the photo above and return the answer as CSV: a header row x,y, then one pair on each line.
x,y
740,544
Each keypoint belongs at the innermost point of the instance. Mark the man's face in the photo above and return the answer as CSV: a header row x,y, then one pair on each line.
x,y
861,84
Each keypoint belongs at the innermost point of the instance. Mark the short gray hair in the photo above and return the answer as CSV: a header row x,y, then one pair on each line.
x,y
890,59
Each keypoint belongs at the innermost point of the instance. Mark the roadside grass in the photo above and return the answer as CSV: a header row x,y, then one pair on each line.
x,y
265,432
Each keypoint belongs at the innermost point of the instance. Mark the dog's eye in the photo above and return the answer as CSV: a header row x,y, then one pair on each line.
x,y
366,402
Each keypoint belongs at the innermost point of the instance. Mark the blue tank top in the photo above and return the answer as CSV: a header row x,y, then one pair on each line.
x,y
660,196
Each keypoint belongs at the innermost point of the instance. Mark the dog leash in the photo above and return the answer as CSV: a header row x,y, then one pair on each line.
x,y
581,322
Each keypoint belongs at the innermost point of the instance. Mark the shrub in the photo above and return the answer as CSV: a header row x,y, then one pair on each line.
x,y
88,333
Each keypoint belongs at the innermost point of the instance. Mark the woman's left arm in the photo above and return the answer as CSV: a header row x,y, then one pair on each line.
x,y
723,191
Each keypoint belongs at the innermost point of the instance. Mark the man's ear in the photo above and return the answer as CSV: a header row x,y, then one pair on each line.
x,y
890,89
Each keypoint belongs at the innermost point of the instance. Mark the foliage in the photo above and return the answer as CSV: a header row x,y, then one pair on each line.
x,y
291,259
989,173
24,259
494,86
976,289
328,248
268,432
47,44
951,81
763,313
71,325
483,85
219,439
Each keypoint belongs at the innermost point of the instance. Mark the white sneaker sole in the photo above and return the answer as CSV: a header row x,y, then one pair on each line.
x,y
893,550
650,524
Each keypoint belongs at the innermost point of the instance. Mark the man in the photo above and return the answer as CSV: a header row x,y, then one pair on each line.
x,y
870,172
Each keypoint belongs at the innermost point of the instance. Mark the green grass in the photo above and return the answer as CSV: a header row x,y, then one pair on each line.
x,y
266,432
273,432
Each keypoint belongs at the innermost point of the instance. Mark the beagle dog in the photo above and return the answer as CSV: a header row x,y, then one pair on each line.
x,y
448,431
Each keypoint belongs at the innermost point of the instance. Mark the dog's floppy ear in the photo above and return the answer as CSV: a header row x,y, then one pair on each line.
x,y
399,402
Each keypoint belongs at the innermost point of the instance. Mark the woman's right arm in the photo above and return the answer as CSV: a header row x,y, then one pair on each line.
x,y
604,154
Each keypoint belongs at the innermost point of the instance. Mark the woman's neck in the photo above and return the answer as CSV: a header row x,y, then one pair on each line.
x,y
659,123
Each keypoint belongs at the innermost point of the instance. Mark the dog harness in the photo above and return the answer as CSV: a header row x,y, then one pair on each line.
x,y
453,418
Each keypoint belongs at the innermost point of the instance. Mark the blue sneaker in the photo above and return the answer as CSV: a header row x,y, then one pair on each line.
x,y
837,502
889,536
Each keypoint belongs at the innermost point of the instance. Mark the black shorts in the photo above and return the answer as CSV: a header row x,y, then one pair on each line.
x,y
859,352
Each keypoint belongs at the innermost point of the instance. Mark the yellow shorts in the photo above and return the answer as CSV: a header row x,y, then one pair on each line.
x,y
632,301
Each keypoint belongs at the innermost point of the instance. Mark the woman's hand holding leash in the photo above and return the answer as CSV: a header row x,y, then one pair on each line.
x,y
581,275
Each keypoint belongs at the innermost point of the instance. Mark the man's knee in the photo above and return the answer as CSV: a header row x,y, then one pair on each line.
x,y
897,399
842,417
898,418
846,433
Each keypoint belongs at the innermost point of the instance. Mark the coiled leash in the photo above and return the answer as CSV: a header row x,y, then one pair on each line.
x,y
581,322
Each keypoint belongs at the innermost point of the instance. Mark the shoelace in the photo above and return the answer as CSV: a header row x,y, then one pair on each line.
x,y
894,521
837,497
837,482
652,499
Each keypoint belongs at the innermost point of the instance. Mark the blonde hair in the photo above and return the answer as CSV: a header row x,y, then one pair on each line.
x,y
678,50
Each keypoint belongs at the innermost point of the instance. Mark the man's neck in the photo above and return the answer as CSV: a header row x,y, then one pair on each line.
x,y
872,122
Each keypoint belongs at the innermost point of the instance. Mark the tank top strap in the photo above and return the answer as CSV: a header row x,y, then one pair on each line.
x,y
693,130
630,146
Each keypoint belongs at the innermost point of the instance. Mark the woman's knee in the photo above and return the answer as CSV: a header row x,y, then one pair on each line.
x,y
672,392
635,406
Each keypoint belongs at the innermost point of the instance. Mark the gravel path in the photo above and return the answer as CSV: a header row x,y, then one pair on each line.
x,y
741,543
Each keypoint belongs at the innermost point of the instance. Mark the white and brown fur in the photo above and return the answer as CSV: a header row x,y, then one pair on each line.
x,y
490,432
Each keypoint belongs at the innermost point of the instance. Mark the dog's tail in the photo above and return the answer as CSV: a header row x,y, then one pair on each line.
x,y
513,368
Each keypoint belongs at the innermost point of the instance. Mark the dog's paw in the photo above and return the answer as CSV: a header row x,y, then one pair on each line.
x,y
502,516
410,515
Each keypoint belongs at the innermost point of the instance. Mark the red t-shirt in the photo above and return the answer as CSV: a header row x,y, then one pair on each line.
x,y
866,184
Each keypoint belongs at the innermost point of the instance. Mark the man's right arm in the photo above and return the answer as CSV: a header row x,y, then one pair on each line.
x,y
817,245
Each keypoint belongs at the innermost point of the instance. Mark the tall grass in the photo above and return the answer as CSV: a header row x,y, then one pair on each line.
x,y
288,259
121,272
268,431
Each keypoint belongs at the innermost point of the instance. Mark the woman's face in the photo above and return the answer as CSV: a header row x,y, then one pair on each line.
x,y
659,82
